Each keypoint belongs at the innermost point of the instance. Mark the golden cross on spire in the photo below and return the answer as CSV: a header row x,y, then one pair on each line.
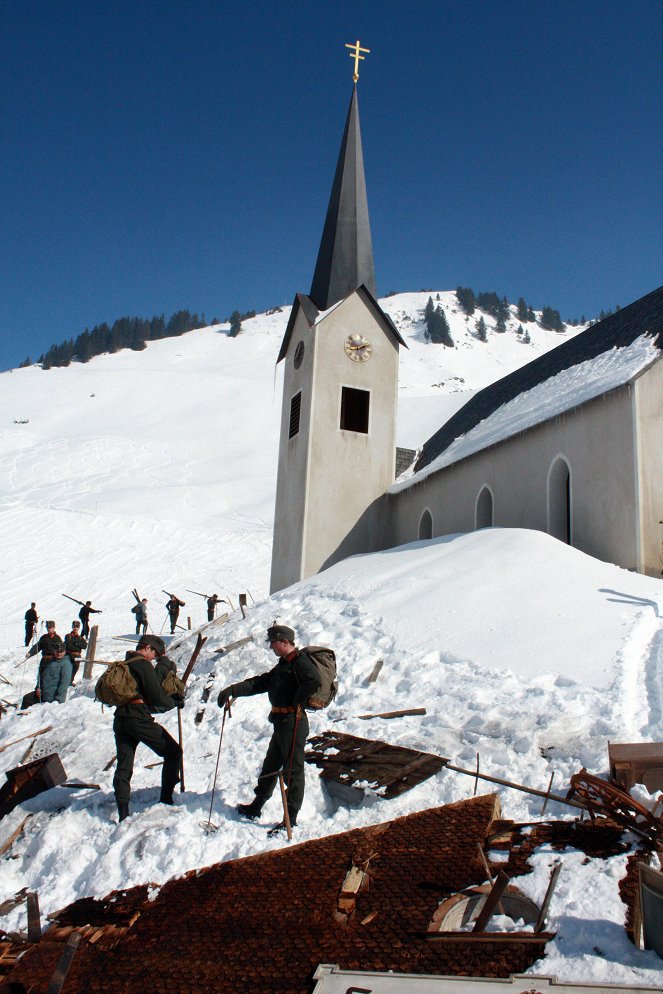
x,y
354,54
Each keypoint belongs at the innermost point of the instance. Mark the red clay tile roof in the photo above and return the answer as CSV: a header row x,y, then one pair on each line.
x,y
265,922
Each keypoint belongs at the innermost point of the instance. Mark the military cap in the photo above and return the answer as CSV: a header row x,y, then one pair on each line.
x,y
277,632
154,642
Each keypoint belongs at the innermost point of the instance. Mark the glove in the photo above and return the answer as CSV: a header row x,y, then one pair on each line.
x,y
224,696
179,701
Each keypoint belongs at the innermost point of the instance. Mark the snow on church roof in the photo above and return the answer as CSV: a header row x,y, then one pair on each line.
x,y
566,390
605,356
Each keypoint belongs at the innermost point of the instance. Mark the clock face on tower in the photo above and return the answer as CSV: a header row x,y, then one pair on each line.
x,y
299,354
357,348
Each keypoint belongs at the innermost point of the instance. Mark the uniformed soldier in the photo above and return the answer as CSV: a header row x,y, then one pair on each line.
x,y
31,619
211,606
133,723
289,685
173,607
74,643
54,674
84,615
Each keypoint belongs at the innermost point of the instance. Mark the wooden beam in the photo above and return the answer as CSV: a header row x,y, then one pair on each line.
x,y
491,902
34,918
91,649
392,714
547,899
62,969
32,735
6,846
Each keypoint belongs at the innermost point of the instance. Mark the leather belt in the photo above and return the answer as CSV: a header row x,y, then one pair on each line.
x,y
289,710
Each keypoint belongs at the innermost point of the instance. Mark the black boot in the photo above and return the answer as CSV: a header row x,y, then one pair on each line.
x,y
252,810
166,796
123,810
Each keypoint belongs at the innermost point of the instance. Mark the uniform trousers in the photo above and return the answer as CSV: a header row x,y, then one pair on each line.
x,y
278,757
133,729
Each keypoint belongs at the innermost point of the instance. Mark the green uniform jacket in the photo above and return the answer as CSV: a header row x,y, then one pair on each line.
x,y
48,645
149,689
291,682
74,644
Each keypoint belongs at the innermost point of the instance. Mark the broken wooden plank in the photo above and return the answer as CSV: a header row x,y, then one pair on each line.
x,y
34,918
233,645
354,880
375,671
482,857
32,735
6,846
13,902
547,899
64,963
393,714
491,902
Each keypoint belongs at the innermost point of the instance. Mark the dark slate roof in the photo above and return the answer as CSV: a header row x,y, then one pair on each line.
x,y
345,258
311,313
644,316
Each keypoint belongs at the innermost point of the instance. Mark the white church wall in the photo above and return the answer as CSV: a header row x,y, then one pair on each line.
x,y
293,462
331,482
349,470
596,440
649,408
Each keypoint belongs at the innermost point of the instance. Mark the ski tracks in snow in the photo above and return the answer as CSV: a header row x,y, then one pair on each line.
x,y
638,687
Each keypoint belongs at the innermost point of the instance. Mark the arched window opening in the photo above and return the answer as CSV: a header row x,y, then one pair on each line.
x,y
484,509
559,500
426,525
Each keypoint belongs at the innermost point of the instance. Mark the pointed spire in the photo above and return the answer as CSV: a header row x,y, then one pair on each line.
x,y
345,258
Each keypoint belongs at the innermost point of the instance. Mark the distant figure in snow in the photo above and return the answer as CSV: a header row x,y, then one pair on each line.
x,y
31,619
140,610
134,724
54,674
74,644
173,607
84,615
211,606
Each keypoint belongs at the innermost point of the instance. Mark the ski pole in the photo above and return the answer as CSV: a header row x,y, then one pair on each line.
x,y
179,729
226,711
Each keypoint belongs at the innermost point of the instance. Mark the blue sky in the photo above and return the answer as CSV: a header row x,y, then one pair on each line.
x,y
162,155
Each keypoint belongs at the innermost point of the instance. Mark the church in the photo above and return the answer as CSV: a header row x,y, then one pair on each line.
x,y
569,444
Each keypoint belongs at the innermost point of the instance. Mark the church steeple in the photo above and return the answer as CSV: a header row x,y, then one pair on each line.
x,y
345,258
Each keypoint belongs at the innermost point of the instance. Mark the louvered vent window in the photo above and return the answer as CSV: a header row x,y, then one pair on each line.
x,y
354,409
295,412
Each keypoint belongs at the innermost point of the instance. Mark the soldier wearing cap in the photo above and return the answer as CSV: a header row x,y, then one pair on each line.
x,y
54,674
289,685
31,619
84,614
74,643
133,723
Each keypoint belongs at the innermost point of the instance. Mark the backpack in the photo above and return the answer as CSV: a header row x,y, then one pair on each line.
x,y
117,685
324,661
171,684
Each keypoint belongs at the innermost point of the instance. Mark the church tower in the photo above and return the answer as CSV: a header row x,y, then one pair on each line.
x,y
337,445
